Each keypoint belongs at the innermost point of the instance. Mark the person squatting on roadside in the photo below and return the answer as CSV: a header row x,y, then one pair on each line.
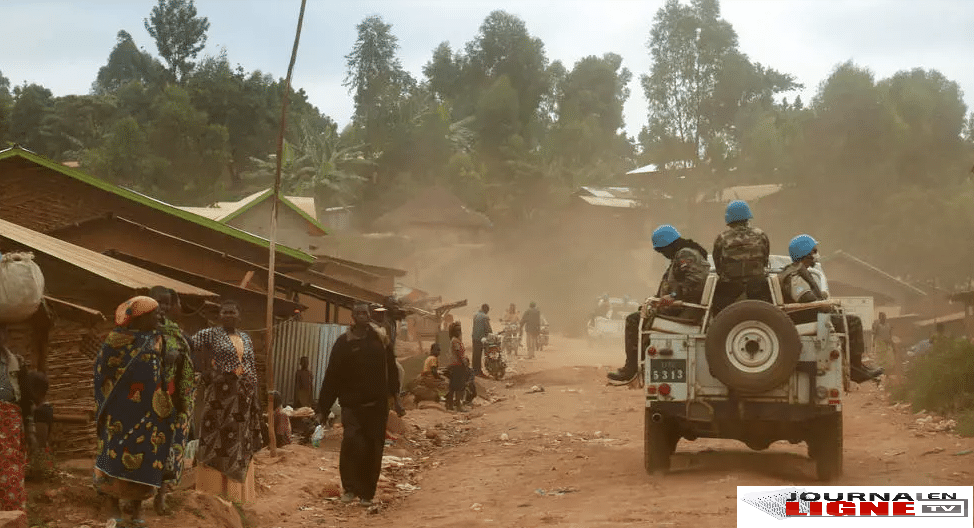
x,y
741,256
531,326
683,281
798,285
481,327
362,375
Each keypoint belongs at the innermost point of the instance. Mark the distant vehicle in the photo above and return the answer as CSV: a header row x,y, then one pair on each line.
x,y
611,326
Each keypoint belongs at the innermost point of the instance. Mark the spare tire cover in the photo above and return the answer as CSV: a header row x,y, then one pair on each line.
x,y
752,346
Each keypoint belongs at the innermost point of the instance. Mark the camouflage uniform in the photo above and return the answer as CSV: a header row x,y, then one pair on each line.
x,y
685,277
741,257
800,287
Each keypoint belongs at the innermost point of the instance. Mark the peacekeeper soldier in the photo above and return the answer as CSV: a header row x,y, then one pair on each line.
x,y
741,258
683,281
798,285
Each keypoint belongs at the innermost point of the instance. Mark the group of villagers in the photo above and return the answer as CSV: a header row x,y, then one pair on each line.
x,y
147,375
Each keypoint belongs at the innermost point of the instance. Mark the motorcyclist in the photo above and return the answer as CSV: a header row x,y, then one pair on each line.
x,y
683,281
798,285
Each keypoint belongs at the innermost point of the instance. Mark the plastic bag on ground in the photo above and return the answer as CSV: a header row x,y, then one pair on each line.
x,y
317,436
21,287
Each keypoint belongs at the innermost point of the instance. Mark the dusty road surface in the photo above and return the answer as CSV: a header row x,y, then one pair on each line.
x,y
568,456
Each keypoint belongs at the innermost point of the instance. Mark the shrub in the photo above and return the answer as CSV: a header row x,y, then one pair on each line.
x,y
942,379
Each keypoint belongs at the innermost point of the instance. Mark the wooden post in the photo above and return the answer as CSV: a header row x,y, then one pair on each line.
x,y
275,202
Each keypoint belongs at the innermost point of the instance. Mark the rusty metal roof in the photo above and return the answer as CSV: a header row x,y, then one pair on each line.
x,y
111,269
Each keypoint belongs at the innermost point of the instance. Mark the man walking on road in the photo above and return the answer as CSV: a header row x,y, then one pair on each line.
x,y
362,375
481,327
531,323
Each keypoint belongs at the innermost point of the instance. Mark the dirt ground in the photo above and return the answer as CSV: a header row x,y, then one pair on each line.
x,y
568,456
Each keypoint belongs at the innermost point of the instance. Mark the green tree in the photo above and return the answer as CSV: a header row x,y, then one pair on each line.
x,y
320,164
590,110
193,151
6,106
504,48
241,103
375,76
123,157
443,73
126,63
698,84
931,111
30,115
179,34
80,122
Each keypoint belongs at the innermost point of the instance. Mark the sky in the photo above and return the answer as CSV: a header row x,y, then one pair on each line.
x,y
61,44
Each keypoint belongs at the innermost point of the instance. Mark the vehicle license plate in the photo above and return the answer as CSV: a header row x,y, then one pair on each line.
x,y
668,370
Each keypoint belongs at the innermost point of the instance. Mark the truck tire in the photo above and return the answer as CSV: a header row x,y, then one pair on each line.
x,y
825,446
659,442
752,346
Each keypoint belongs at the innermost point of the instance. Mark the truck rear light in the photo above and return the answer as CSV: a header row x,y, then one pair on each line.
x,y
834,354
651,389
834,393
666,352
651,351
664,390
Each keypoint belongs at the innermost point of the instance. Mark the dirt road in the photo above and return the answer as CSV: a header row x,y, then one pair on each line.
x,y
572,456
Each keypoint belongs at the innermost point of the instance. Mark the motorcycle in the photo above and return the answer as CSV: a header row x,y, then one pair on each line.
x,y
512,340
543,337
493,356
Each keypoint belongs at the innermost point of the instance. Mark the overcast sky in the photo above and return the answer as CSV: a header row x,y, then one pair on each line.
x,y
61,44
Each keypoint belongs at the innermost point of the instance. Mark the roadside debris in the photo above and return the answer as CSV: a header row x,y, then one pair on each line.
x,y
557,492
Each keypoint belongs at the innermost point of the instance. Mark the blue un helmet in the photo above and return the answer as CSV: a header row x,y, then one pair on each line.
x,y
801,246
737,211
664,236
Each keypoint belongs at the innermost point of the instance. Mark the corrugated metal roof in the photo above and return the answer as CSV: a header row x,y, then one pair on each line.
x,y
20,152
742,192
114,270
959,316
610,202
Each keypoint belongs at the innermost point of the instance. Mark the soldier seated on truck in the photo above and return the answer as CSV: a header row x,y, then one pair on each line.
x,y
741,258
798,285
683,281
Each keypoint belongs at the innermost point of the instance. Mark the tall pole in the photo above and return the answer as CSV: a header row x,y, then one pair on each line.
x,y
275,202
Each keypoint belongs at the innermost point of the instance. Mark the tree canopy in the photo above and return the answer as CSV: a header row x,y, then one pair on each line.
x,y
514,132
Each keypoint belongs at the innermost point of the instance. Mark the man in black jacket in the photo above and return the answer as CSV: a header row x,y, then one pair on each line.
x,y
362,375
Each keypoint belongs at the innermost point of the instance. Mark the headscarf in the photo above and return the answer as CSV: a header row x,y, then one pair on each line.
x,y
133,308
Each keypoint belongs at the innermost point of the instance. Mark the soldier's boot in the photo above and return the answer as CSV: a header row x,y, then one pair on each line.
x,y
628,372
449,400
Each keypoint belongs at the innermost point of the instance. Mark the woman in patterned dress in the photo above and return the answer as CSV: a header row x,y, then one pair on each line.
x,y
13,458
230,432
180,384
134,410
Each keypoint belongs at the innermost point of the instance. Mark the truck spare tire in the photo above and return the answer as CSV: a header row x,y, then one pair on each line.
x,y
752,346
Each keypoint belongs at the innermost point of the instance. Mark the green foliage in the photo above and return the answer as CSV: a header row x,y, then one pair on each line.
x,y
179,34
30,126
940,380
965,423
6,106
126,63
320,164
374,74
699,83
